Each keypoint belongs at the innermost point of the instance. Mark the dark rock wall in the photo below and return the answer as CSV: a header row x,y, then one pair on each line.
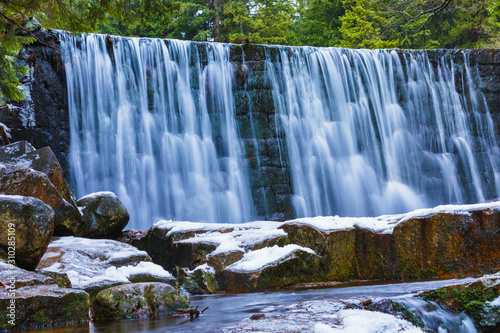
x,y
43,119
258,125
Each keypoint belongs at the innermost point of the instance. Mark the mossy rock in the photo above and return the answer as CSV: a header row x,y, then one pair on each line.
x,y
26,226
104,216
44,305
18,180
448,245
472,298
137,300
296,267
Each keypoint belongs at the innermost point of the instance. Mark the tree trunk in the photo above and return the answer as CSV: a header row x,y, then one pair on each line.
x,y
216,21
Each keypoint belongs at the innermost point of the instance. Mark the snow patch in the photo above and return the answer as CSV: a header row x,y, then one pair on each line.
x,y
356,321
386,223
205,267
259,259
97,194
88,262
227,237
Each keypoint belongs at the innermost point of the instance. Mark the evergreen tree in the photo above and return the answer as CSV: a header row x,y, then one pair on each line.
x,y
71,15
319,22
361,26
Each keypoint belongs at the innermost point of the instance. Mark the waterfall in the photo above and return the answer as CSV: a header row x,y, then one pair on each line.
x,y
153,121
373,132
366,132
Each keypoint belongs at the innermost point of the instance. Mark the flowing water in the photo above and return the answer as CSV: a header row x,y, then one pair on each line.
x,y
368,132
143,114
228,311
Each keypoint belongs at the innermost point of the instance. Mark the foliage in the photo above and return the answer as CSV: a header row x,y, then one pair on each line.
x,y
419,24
319,22
72,15
361,26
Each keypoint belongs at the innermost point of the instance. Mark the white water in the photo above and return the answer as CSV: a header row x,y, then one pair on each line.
x,y
142,125
367,138
367,132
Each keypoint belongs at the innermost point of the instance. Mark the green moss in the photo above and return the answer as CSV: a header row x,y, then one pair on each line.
x,y
474,310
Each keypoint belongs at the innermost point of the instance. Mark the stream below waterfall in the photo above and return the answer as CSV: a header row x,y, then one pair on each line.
x,y
231,312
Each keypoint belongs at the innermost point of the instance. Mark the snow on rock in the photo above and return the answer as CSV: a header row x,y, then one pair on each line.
x,y
259,259
355,321
227,237
205,267
97,194
97,263
386,223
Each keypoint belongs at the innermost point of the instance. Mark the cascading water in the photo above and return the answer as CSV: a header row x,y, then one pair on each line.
x,y
369,135
153,121
437,319
368,132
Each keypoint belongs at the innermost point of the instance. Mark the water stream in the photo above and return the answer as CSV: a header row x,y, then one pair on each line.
x,y
228,311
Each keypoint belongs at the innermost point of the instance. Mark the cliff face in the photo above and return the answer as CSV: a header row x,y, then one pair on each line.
x,y
43,119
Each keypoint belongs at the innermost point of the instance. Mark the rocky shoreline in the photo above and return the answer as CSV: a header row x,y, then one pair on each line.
x,y
64,260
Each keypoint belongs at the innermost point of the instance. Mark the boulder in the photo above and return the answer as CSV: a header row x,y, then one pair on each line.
x,y
15,277
42,305
95,264
44,160
137,300
449,243
445,242
190,244
19,180
26,226
201,280
270,268
104,216
15,150
28,27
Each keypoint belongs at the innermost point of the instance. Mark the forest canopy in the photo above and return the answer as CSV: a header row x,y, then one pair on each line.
x,y
418,24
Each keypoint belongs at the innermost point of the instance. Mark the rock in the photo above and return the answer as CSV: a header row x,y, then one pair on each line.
x,y
443,242
270,268
20,277
43,160
31,25
15,150
137,300
26,226
94,265
60,279
43,305
104,216
132,237
257,316
201,280
18,180
479,300
448,244
189,244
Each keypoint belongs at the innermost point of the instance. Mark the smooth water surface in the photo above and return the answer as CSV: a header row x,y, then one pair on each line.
x,y
227,311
